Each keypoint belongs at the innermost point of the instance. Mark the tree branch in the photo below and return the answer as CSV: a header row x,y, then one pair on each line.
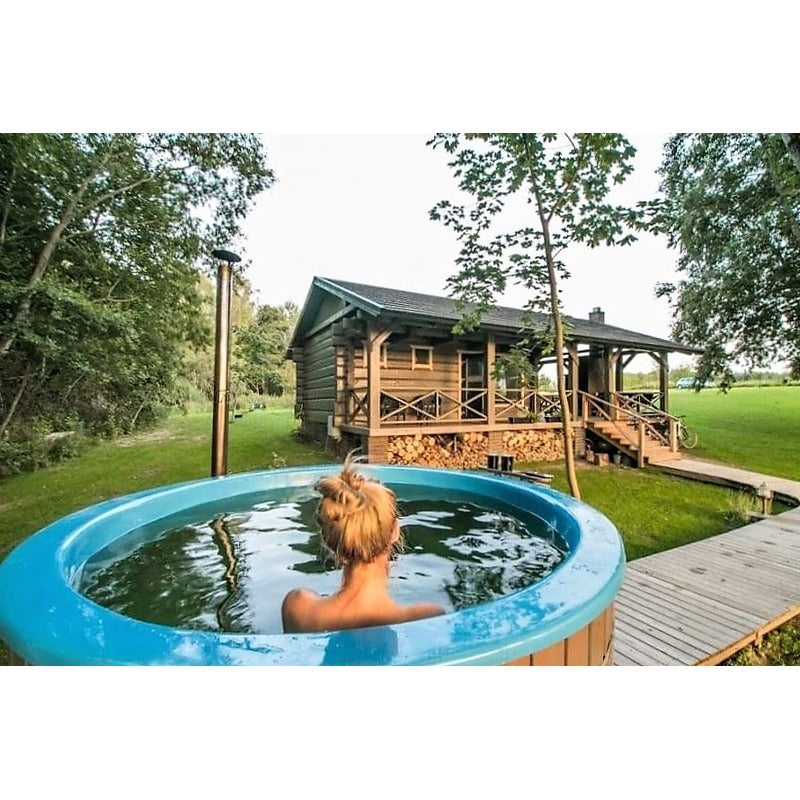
x,y
15,402
568,185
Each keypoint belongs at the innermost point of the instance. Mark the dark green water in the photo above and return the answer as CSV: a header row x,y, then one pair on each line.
x,y
229,565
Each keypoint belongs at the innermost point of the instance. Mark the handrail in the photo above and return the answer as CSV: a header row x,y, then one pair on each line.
x,y
596,401
665,414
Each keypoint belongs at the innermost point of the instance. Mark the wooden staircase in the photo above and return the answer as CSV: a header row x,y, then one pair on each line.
x,y
623,434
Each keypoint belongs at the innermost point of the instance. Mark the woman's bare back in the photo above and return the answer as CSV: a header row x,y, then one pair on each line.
x,y
304,611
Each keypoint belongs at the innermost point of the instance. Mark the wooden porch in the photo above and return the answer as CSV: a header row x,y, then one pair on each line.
x,y
631,423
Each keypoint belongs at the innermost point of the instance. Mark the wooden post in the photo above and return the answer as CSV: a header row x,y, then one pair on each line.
x,y
572,350
608,379
612,358
663,382
340,401
619,382
491,351
673,435
640,454
375,339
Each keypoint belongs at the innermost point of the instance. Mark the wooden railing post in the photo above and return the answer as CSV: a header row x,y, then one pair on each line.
x,y
673,435
640,454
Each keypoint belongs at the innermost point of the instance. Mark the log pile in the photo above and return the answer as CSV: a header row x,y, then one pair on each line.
x,y
541,445
457,451
468,450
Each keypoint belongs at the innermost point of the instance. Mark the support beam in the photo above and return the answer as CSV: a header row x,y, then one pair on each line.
x,y
628,360
663,379
491,355
574,361
329,321
608,377
375,338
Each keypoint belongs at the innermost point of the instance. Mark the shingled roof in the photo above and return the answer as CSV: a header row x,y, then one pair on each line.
x,y
382,301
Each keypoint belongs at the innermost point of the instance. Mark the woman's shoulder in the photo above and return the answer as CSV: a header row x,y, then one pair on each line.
x,y
294,606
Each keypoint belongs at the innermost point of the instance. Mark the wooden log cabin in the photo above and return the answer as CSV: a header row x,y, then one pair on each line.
x,y
381,369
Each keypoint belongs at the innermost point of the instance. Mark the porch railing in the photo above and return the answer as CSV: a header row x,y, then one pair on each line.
x,y
432,405
644,402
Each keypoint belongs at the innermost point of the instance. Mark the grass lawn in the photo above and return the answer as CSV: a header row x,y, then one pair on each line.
x,y
652,511
178,451
755,428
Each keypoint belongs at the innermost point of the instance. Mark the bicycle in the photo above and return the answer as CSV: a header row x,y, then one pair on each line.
x,y
686,436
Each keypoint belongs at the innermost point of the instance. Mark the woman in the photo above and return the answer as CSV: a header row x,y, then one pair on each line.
x,y
360,529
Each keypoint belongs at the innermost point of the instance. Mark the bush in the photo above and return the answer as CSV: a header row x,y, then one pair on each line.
x,y
34,446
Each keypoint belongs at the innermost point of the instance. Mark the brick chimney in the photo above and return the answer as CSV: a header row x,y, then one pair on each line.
x,y
597,315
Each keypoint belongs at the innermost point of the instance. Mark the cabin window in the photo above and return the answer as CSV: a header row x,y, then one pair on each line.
x,y
421,357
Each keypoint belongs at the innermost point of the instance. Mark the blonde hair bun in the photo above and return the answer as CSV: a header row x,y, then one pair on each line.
x,y
356,514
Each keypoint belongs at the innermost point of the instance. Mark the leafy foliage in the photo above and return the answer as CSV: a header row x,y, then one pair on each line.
x,y
101,236
732,209
261,347
566,178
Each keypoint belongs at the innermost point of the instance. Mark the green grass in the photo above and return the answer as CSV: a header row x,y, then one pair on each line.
x,y
652,511
779,648
178,451
754,428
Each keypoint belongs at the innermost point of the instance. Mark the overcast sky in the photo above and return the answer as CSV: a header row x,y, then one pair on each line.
x,y
356,207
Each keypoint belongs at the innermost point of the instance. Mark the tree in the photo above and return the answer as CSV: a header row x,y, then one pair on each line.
x,y
566,179
101,236
731,207
261,347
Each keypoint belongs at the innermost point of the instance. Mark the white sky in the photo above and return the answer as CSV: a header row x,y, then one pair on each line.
x,y
356,207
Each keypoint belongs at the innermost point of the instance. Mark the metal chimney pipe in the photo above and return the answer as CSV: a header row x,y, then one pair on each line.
x,y
219,431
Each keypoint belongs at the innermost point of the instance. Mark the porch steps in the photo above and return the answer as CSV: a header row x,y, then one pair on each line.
x,y
625,437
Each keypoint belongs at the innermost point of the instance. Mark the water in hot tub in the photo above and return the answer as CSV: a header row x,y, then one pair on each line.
x,y
228,565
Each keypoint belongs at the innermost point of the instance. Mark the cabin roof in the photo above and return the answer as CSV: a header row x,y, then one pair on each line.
x,y
378,301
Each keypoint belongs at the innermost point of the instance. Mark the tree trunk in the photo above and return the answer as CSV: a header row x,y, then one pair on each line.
x,y
555,312
136,415
15,402
566,417
792,142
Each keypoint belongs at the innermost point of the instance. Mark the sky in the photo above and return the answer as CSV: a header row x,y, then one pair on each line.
x,y
356,207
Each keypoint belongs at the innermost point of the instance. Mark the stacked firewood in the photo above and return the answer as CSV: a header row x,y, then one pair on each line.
x,y
541,445
457,451
468,450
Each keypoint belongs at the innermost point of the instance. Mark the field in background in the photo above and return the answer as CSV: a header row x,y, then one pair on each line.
x,y
754,428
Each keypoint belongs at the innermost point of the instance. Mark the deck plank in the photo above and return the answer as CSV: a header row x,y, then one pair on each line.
x,y
700,626
674,632
701,615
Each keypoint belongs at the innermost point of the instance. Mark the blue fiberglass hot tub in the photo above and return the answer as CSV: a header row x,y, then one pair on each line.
x,y
564,618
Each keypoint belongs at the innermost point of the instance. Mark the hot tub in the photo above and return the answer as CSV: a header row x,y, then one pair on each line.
x,y
564,619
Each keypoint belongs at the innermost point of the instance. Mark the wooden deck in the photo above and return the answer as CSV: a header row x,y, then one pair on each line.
x,y
700,603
